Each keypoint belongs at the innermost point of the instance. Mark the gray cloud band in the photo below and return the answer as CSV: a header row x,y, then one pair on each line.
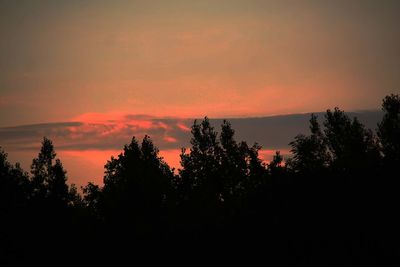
x,y
167,133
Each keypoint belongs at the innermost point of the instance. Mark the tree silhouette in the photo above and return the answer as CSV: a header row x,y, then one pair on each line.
x,y
133,197
14,185
200,177
49,177
389,129
91,196
351,145
14,199
233,163
42,169
332,203
57,187
310,153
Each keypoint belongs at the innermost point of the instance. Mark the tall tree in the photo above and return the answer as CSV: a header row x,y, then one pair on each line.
x,y
234,167
389,129
14,185
57,188
200,171
310,153
352,147
42,167
48,176
136,185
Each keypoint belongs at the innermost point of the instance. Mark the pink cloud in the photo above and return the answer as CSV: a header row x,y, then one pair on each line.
x,y
170,139
183,127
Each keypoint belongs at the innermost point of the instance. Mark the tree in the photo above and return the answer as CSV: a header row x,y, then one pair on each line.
x,y
234,168
256,169
276,162
136,184
49,178
389,129
218,175
200,167
41,168
352,147
14,185
310,153
57,188
91,196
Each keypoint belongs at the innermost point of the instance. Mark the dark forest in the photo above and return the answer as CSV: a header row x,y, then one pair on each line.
x,y
334,202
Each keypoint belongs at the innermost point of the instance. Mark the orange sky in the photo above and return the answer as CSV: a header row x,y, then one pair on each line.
x,y
63,61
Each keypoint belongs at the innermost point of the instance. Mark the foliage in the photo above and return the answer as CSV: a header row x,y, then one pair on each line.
x,y
332,202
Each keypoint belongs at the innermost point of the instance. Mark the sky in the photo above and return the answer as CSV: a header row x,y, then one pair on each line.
x,y
86,65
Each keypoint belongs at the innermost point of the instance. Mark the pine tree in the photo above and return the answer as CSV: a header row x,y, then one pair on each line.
x,y
49,180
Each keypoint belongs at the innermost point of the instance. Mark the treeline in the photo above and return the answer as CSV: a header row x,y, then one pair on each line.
x,y
334,202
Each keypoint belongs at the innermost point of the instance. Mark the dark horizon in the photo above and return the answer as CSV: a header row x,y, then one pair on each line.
x,y
331,202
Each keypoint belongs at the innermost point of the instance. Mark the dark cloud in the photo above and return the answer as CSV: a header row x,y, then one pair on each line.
x,y
27,137
108,134
276,132
168,133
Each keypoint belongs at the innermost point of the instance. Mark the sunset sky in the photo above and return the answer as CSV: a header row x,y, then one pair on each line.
x,y
82,72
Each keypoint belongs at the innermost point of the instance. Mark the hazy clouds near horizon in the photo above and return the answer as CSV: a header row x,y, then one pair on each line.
x,y
274,132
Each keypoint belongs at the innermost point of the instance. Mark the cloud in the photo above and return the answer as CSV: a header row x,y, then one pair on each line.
x,y
96,131
22,137
110,131
85,144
